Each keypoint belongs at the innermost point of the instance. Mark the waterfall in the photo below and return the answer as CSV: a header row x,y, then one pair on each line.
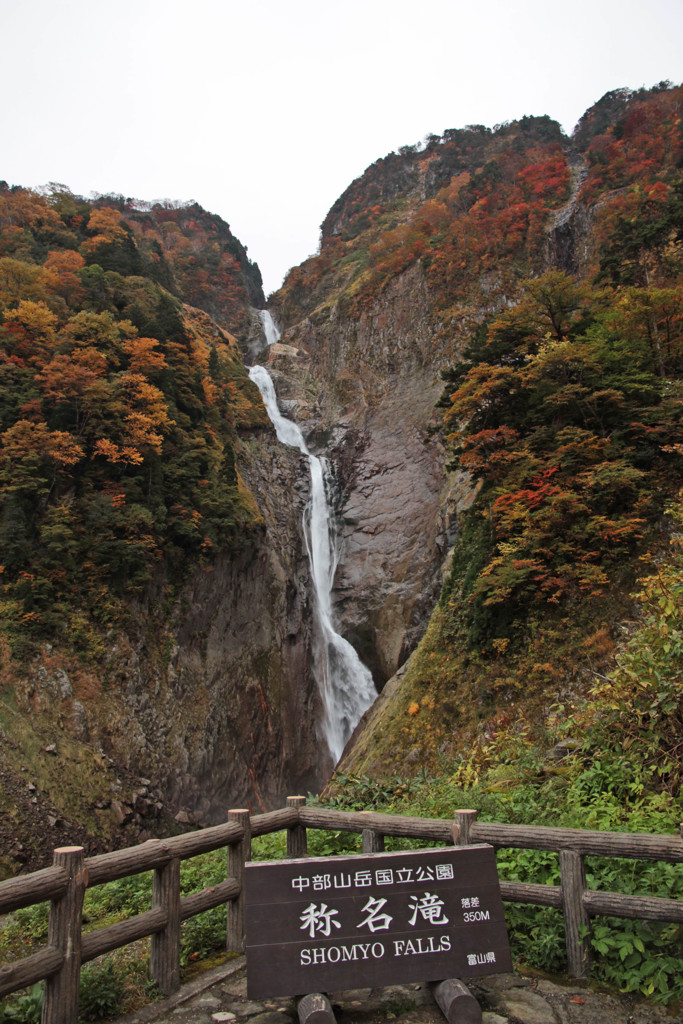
x,y
345,684
269,329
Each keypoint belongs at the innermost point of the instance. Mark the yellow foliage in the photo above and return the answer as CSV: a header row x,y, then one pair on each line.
x,y
107,226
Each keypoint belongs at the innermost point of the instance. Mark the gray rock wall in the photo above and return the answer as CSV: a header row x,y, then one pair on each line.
x,y
364,391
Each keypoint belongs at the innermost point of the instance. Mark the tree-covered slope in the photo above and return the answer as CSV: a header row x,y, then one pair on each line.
x,y
120,406
476,208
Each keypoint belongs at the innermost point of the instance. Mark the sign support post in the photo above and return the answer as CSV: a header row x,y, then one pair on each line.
x,y
456,1002
315,1008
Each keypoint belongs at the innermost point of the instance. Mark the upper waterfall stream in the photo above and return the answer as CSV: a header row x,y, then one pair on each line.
x,y
269,328
346,685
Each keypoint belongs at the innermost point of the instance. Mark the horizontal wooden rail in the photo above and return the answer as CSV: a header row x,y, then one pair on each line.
x,y
108,867
610,904
636,845
387,824
207,839
26,890
534,895
641,908
31,969
104,940
274,821
209,898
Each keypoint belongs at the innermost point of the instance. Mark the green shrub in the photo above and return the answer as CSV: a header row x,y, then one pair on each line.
x,y
608,794
100,992
24,1009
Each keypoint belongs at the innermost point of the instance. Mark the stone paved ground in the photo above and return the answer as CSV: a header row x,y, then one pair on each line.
x,y
221,996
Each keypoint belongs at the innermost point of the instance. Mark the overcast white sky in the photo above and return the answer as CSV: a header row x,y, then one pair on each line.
x,y
263,111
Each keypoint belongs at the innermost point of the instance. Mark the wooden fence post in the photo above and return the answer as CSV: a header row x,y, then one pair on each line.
x,y
297,837
164,958
455,1000
60,1002
372,841
576,919
314,1008
462,827
238,854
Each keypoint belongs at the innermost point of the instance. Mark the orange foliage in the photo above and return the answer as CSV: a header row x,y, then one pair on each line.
x,y
63,266
144,356
107,226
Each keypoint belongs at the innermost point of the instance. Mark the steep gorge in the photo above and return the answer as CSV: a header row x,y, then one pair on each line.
x,y
364,381
197,691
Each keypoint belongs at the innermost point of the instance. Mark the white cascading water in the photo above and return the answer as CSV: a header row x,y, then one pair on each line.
x,y
346,685
269,329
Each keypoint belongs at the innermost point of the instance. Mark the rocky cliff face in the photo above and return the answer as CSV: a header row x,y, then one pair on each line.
x,y
405,273
359,366
207,702
365,392
232,719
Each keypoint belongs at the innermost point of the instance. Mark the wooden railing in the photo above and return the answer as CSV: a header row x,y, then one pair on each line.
x,y
577,902
64,885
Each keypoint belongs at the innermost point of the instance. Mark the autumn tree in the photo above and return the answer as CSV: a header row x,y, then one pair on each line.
x,y
63,267
29,332
570,441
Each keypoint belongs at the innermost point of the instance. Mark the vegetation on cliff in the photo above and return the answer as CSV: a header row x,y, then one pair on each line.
x,y
563,396
566,404
554,267
120,407
470,202
475,206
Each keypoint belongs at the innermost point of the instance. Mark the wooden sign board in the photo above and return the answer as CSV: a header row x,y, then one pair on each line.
x,y
326,924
